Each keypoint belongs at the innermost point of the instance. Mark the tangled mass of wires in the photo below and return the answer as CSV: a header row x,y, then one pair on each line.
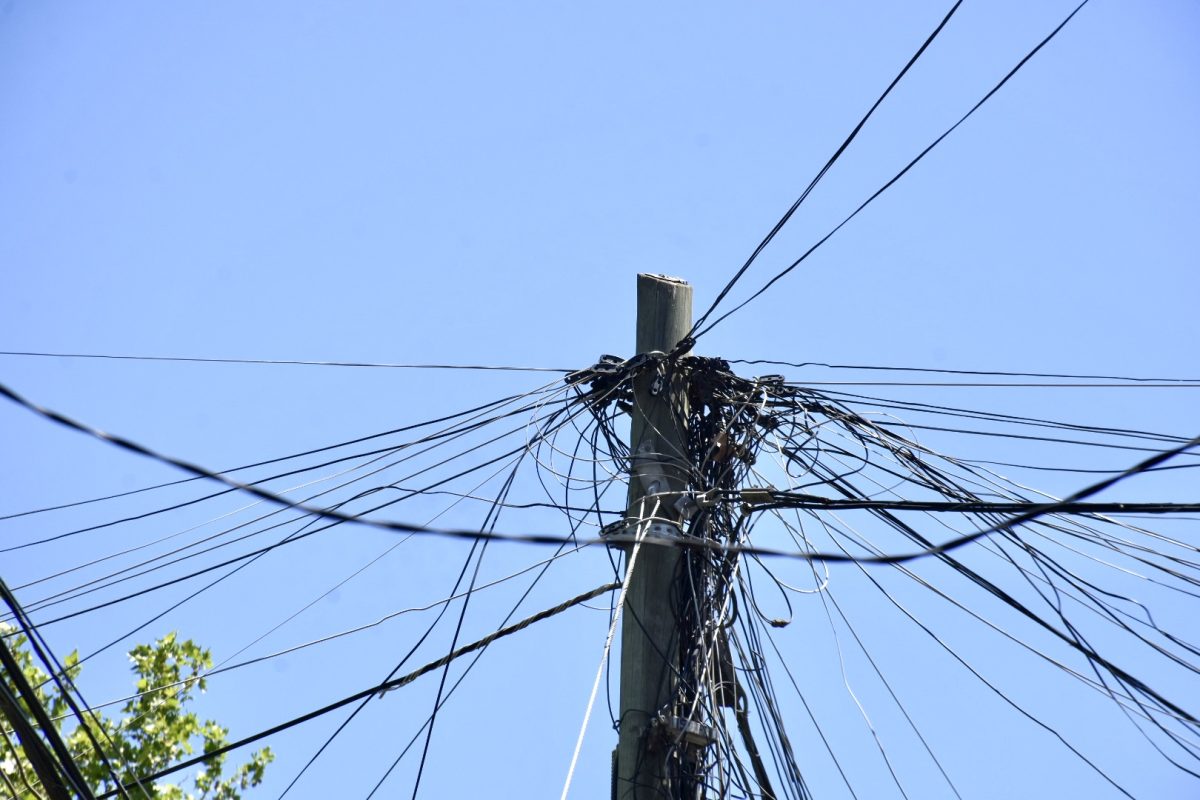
x,y
773,507
746,437
762,467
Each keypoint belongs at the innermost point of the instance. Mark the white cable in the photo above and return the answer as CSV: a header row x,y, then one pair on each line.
x,y
612,629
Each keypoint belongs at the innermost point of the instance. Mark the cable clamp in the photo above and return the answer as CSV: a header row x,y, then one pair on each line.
x,y
632,530
688,503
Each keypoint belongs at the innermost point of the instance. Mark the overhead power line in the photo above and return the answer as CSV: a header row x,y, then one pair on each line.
x,y
1007,385
943,371
1030,515
292,362
378,689
426,423
821,174
698,331
766,498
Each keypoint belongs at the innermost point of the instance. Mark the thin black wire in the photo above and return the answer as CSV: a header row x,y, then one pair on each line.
x,y
1020,436
386,686
696,543
1068,638
794,410
996,690
332,514
1071,639
821,174
941,371
496,503
407,494
495,403
698,332
283,361
493,516
995,416
226,667
357,709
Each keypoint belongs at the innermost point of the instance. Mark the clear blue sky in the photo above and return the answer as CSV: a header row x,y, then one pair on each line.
x,y
479,183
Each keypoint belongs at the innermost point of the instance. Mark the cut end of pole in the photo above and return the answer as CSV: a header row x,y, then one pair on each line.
x,y
664,309
650,276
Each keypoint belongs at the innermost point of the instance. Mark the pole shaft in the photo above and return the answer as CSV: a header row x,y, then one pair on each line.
x,y
649,635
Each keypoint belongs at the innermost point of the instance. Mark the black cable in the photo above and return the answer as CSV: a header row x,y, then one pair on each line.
x,y
808,501
995,416
52,773
1004,385
405,527
66,762
698,332
377,689
802,364
495,403
438,439
1021,436
53,763
251,489
496,503
821,174
411,651
989,684
335,517
407,494
277,361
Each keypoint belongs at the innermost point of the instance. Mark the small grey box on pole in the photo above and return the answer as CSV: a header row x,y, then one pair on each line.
x,y
659,463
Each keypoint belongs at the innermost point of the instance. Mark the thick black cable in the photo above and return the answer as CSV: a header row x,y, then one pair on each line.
x,y
494,403
66,762
437,439
405,527
1021,436
811,501
1004,385
411,651
299,535
251,489
332,514
381,688
54,780
493,516
79,591
496,503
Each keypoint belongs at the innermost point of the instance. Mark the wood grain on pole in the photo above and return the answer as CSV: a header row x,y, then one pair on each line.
x,y
649,636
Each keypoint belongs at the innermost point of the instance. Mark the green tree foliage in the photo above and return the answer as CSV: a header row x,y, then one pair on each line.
x,y
154,731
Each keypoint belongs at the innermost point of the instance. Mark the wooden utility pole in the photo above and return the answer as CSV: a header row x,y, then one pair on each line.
x,y
660,463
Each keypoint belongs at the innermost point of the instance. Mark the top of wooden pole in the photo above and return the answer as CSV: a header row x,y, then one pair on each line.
x,y
664,312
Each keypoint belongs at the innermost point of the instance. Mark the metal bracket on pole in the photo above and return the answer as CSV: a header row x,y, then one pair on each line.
x,y
660,530
688,503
